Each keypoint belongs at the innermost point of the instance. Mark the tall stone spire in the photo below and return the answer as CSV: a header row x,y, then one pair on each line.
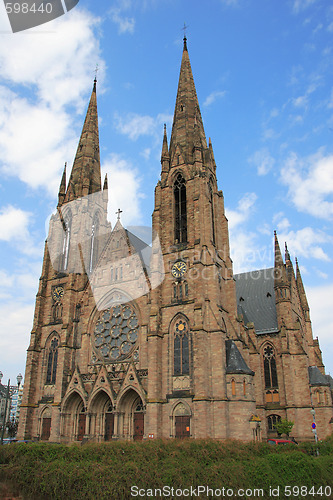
x,y
280,275
165,157
62,188
86,172
187,129
301,292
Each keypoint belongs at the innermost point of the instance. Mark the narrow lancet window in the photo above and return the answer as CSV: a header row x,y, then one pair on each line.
x,y
181,349
93,244
270,372
212,212
67,238
52,362
180,210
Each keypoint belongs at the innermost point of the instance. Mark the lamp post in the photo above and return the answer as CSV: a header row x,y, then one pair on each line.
x,y
314,427
4,415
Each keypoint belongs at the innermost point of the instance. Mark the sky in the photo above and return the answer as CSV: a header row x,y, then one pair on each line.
x,y
263,74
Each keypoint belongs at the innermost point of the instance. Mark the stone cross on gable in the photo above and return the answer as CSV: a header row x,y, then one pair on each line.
x,y
118,213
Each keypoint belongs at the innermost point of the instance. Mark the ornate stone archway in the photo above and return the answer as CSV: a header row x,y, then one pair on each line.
x,y
130,416
101,417
73,418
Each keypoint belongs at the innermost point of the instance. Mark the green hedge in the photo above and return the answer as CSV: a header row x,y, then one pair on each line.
x,y
107,471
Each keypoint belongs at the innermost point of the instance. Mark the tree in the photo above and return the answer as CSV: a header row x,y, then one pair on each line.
x,y
12,428
284,426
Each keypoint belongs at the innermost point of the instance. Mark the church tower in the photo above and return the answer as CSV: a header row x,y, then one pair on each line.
x,y
193,318
77,235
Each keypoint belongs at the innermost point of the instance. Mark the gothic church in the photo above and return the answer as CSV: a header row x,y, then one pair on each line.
x,y
137,341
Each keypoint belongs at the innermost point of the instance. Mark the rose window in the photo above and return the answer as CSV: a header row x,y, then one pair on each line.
x,y
116,332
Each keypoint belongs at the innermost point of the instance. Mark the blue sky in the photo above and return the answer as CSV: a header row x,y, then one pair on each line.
x,y
263,73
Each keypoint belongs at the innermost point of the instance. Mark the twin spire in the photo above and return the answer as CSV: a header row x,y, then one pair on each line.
x,y
187,129
85,177
284,273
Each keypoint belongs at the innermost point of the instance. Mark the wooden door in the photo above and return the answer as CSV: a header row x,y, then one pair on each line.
x,y
46,428
138,426
109,420
82,426
182,426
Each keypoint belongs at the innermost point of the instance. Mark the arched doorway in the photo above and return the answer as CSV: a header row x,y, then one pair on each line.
x,y
182,421
138,420
101,417
131,416
73,418
46,425
109,423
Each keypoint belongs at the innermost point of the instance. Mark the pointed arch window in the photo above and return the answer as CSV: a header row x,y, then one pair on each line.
x,y
271,380
67,238
179,191
52,362
272,420
212,211
181,348
94,243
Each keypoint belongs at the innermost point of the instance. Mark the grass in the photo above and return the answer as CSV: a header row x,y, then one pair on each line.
x,y
107,471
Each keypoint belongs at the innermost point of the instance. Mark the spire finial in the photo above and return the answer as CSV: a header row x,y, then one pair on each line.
x,y
185,39
118,213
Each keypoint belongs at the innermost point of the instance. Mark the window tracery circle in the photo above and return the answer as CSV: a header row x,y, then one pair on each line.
x,y
116,332
268,352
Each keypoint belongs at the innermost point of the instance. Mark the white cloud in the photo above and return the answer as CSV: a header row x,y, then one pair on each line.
x,y
263,161
281,222
244,249
310,183
242,213
14,229
320,303
51,72
124,190
306,242
134,125
14,223
299,5
213,96
300,102
15,325
125,24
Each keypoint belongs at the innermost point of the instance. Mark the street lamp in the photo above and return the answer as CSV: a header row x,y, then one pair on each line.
x,y
19,379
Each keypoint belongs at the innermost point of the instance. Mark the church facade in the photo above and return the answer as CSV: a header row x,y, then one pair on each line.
x,y
136,341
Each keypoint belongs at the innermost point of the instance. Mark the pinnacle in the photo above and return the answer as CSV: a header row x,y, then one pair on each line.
x,y
86,171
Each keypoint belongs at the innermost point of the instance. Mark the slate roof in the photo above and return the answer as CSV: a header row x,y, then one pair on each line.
x,y
256,299
235,361
316,377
